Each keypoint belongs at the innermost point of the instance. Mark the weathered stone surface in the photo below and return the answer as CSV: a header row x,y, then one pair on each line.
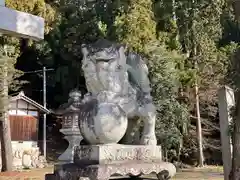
x,y
41,163
35,159
42,160
21,24
27,161
73,136
26,157
118,90
70,115
107,125
225,103
2,2
116,153
163,170
17,163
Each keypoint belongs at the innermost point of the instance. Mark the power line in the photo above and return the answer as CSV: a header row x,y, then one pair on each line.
x,y
44,70
37,71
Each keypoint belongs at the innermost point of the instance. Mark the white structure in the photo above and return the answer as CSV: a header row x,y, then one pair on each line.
x,y
2,2
20,24
24,121
226,101
24,112
23,105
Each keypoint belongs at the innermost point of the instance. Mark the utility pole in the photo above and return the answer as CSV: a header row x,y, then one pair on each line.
x,y
44,116
44,70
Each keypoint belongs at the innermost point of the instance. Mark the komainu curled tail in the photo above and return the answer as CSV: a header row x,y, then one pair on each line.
x,y
138,77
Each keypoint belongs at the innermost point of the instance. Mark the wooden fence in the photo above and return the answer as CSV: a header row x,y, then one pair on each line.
x,y
23,128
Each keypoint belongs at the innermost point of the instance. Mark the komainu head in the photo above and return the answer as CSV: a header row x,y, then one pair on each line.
x,y
102,50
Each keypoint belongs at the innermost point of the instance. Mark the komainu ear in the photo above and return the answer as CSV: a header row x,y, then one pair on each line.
x,y
84,50
121,51
122,48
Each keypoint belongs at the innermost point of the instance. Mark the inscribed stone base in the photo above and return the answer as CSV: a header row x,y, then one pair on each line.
x,y
100,162
163,170
116,153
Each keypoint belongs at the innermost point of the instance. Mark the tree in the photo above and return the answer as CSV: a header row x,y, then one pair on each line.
x,y
179,26
7,73
200,28
172,116
5,137
135,26
233,79
231,50
9,51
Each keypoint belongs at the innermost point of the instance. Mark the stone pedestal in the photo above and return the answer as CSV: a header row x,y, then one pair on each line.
x,y
100,162
74,138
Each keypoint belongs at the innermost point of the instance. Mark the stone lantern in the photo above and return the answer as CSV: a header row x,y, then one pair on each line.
x,y
69,113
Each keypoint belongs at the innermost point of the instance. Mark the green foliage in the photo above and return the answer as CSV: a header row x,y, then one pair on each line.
x,y
135,26
172,117
136,23
177,28
7,62
196,32
39,8
17,46
233,68
227,55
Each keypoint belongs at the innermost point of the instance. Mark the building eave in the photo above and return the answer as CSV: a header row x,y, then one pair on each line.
x,y
22,96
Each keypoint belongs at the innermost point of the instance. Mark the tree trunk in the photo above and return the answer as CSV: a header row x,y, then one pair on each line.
x,y
174,16
166,155
5,136
195,64
235,174
199,130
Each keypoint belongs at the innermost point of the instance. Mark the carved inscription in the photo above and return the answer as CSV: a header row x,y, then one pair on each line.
x,y
110,154
83,153
123,154
68,121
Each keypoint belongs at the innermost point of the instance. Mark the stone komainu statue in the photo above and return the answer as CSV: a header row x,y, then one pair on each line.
x,y
118,90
